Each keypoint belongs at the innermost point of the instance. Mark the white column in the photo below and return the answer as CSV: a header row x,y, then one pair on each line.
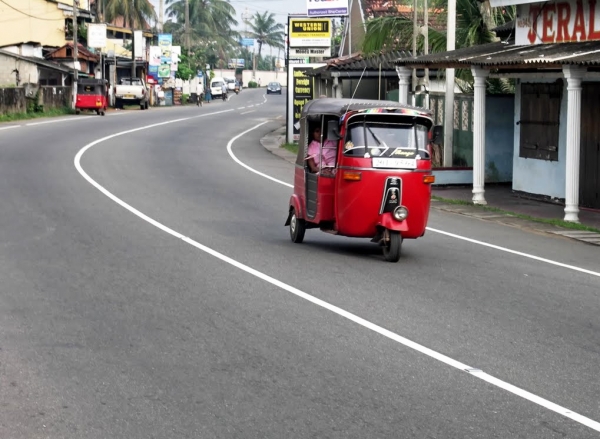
x,y
574,75
337,87
480,76
404,74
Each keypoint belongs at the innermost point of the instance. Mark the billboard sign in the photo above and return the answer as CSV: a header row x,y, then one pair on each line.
x,y
96,35
557,22
307,32
236,63
300,91
138,44
326,8
315,52
247,42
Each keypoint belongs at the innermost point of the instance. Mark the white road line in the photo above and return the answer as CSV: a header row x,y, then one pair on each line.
x,y
10,127
246,112
250,106
339,311
515,252
241,108
50,121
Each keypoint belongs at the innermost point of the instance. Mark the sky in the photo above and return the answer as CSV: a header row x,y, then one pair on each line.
x,y
280,8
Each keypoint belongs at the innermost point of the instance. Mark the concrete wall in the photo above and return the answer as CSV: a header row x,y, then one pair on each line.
x,y
12,100
28,71
16,99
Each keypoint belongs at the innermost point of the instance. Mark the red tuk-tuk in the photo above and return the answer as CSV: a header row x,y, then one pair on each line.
x,y
378,183
92,94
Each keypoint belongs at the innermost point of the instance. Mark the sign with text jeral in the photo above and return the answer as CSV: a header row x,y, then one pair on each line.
x,y
326,8
315,52
557,22
310,32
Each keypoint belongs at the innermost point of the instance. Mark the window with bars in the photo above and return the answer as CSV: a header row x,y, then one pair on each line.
x,y
540,120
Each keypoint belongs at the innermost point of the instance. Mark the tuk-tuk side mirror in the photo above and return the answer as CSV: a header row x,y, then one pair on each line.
x,y
437,134
333,132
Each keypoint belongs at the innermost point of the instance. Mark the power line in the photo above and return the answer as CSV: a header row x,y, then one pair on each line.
x,y
31,16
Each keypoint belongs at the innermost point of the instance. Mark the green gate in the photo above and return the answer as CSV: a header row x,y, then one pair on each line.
x,y
462,154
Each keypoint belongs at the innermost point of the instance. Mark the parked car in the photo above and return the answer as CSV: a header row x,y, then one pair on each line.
x,y
274,87
216,87
131,91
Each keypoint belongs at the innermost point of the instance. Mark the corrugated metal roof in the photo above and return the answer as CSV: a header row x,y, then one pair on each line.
x,y
508,54
40,62
358,61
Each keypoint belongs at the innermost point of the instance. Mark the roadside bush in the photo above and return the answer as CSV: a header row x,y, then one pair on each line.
x,y
185,99
252,84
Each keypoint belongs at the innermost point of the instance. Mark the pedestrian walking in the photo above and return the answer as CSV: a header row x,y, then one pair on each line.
x,y
199,93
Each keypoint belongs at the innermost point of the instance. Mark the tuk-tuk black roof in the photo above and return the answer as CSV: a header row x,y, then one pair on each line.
x,y
341,106
92,81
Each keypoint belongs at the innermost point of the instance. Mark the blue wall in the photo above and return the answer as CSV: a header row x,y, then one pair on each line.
x,y
540,176
499,138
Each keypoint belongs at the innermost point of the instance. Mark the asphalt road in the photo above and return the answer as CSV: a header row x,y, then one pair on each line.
x,y
150,290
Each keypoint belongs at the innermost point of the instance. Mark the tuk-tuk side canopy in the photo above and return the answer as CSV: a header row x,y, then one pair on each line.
x,y
339,107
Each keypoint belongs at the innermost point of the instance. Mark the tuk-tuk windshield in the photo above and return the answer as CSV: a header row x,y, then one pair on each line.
x,y
382,138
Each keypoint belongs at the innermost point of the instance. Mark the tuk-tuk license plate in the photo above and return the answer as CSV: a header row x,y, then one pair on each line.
x,y
394,163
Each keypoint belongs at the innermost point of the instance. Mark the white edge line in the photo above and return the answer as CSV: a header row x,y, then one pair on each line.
x,y
10,127
49,121
515,252
246,112
339,311
415,346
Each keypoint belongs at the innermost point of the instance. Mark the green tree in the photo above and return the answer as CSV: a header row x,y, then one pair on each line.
x,y
265,30
211,23
474,23
136,14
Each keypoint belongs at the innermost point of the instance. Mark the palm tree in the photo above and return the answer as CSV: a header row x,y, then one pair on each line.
x,y
474,24
211,23
135,13
265,30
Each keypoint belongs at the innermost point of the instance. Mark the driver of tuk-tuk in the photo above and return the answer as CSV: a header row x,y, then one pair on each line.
x,y
317,156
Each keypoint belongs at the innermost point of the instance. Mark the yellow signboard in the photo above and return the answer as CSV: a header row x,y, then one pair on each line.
x,y
310,28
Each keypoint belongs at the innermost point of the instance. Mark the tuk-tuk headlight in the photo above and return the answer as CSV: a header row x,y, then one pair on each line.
x,y
400,213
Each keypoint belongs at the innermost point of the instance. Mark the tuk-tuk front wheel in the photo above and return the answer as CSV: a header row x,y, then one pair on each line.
x,y
392,244
297,227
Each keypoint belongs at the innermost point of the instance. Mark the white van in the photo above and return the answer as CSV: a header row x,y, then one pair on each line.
x,y
230,80
216,87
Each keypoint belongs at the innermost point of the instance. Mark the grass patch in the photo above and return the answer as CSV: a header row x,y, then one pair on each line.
x,y
11,117
292,147
553,222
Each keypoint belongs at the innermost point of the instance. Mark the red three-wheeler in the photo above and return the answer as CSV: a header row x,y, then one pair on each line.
x,y
92,94
363,170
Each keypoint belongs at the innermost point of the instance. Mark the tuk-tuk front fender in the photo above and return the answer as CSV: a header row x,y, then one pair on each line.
x,y
387,221
296,205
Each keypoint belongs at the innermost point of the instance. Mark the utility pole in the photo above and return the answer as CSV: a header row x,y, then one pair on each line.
x,y
75,52
161,14
187,26
449,100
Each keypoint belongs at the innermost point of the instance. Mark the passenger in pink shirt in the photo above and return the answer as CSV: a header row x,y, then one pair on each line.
x,y
328,155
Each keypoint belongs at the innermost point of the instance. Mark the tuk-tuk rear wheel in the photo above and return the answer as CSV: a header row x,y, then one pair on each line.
x,y
297,228
392,245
